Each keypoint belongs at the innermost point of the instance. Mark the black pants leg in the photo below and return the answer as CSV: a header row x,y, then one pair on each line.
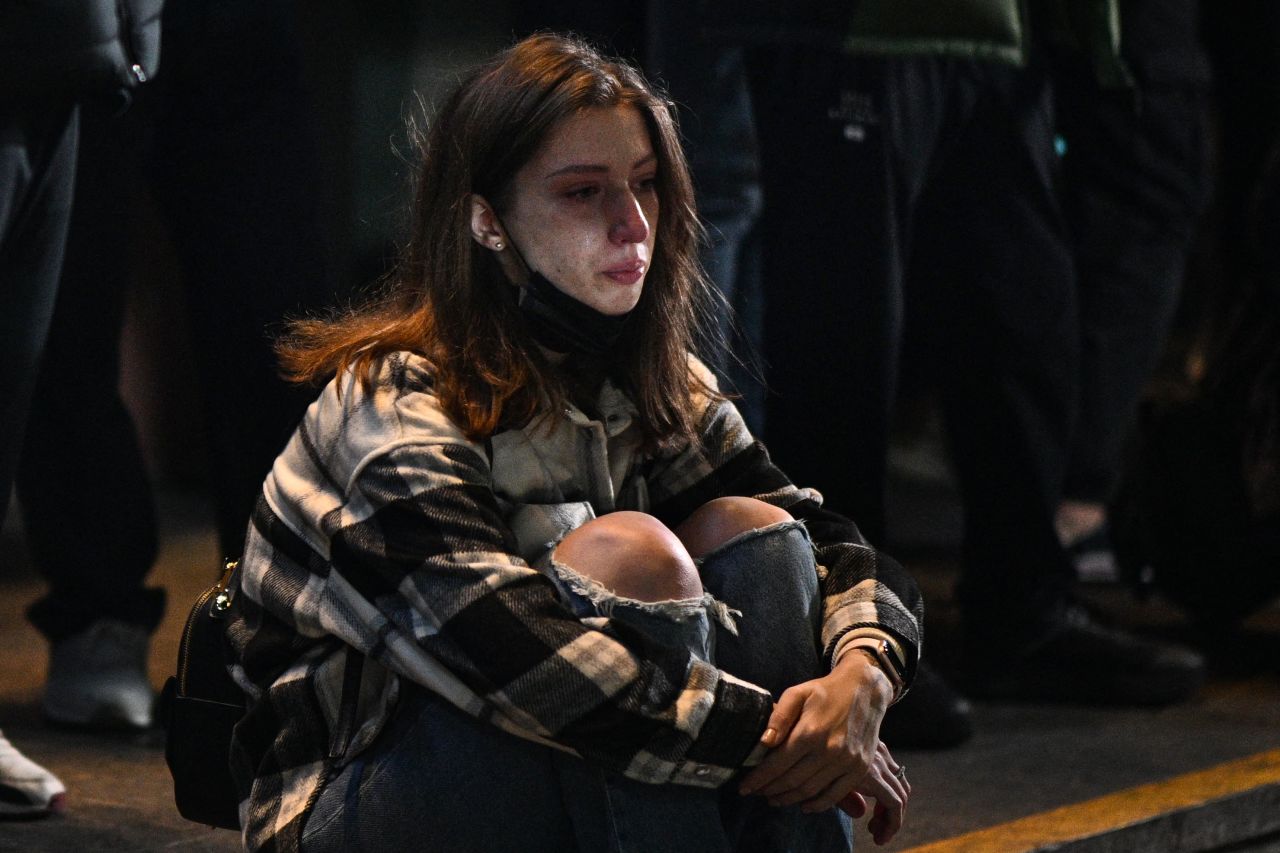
x,y
90,519
222,141
834,234
1135,181
869,163
235,170
37,174
999,282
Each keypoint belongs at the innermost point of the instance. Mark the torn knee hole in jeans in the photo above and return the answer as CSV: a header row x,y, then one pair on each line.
x,y
732,541
605,600
778,527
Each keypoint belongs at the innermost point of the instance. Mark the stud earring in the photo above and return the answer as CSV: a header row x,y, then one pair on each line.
x,y
499,246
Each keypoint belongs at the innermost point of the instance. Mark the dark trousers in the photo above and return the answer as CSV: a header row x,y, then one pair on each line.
x,y
718,125
873,167
1135,180
220,144
709,83
37,174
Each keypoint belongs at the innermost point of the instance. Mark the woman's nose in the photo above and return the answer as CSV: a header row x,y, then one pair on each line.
x,y
627,222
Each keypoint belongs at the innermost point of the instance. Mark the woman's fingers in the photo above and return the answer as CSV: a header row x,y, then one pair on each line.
x,y
791,775
818,765
806,780
852,792
880,825
853,804
887,784
834,793
786,711
802,768
897,773
820,775
764,778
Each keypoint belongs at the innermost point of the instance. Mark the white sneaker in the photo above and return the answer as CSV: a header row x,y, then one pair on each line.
x,y
98,678
26,788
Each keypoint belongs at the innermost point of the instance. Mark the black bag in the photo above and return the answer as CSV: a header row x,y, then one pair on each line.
x,y
200,706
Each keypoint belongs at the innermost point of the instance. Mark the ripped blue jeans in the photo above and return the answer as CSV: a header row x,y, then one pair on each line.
x,y
439,780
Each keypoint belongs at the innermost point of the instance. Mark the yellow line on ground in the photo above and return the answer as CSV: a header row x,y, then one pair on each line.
x,y
1118,810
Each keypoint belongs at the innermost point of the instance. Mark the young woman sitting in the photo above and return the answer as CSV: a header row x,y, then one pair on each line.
x,y
521,579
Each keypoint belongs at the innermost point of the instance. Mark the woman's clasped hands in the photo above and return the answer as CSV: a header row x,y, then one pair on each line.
x,y
825,749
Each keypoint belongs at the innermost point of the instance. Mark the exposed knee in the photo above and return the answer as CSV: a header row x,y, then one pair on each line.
x,y
633,555
719,520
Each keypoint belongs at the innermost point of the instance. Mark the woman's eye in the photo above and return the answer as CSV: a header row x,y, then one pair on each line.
x,y
648,184
581,193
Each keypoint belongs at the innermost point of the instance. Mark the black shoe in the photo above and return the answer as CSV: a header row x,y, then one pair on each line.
x,y
1083,662
930,716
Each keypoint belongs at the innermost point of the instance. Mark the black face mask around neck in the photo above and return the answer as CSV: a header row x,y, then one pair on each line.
x,y
563,324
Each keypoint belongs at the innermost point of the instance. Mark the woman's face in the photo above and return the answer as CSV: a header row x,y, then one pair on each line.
x,y
584,210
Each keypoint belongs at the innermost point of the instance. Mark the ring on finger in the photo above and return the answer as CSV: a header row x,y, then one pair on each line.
x,y
901,773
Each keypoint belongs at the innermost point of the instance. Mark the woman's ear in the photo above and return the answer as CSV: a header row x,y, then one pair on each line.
x,y
487,230
485,227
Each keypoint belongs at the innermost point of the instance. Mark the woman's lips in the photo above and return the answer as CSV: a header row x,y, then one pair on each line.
x,y
628,273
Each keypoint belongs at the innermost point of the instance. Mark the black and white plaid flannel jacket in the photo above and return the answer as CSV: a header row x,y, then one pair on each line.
x,y
387,546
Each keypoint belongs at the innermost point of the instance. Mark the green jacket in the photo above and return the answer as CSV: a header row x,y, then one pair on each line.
x,y
999,30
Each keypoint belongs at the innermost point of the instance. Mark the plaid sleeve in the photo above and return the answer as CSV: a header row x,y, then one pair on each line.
x,y
862,588
421,576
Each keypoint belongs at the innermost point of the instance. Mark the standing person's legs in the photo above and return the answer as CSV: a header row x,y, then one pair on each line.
x,y
708,81
719,126
37,175
1009,370
235,168
832,248
846,145
1003,323
82,449
1135,179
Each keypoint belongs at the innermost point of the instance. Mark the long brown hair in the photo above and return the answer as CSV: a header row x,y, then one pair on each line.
x,y
449,301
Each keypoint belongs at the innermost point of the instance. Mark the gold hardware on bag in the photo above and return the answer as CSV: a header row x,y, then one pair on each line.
x,y
222,600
